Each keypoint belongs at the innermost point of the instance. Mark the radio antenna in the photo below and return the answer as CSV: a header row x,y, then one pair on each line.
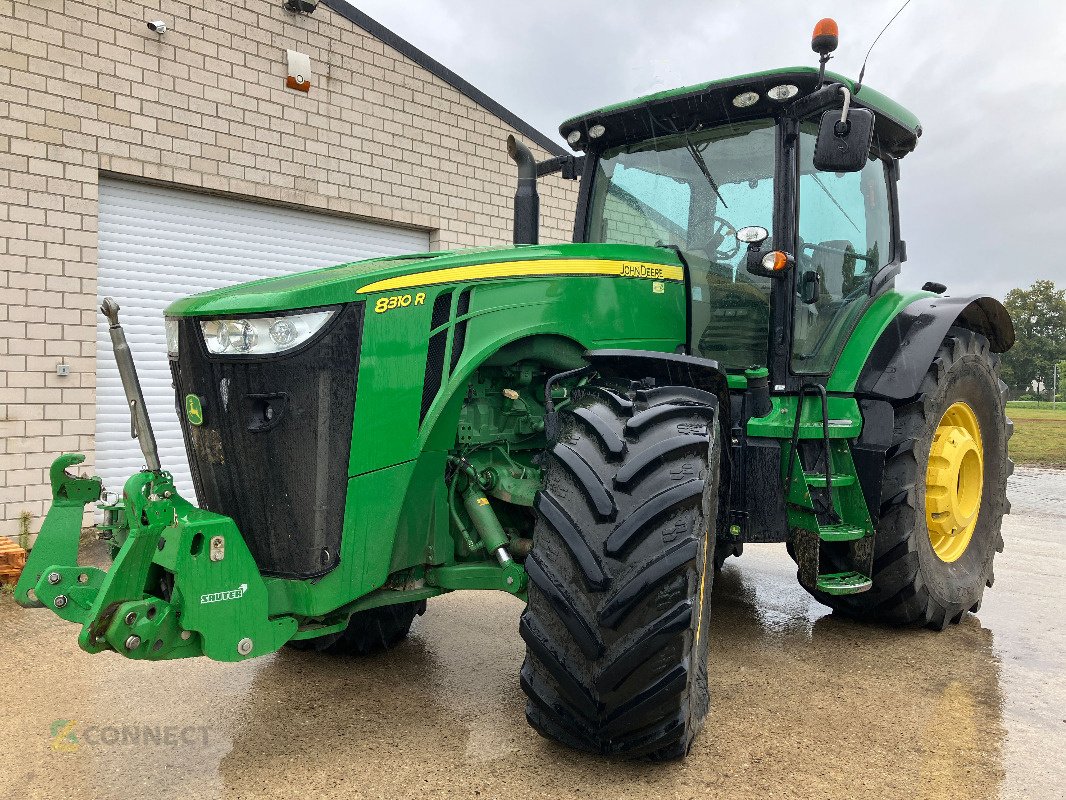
x,y
858,83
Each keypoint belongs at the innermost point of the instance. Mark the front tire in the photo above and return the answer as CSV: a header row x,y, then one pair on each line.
x,y
933,557
620,574
369,631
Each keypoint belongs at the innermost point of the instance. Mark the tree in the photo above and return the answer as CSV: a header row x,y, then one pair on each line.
x,y
1039,315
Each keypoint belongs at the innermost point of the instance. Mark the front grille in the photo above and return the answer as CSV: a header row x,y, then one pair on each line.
x,y
272,451
435,354
459,341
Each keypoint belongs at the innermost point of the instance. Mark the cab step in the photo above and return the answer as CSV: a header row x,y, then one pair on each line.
x,y
817,480
843,583
841,532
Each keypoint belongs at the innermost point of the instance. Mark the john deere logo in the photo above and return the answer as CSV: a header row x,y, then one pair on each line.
x,y
194,412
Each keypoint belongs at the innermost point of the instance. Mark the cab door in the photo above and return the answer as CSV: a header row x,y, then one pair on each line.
x,y
845,236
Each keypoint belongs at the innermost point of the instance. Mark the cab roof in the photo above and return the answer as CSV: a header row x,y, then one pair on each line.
x,y
676,109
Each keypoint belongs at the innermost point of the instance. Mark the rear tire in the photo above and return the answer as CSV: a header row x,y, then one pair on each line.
x,y
912,585
369,631
620,574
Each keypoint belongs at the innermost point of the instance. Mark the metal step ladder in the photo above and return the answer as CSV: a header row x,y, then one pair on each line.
x,y
826,508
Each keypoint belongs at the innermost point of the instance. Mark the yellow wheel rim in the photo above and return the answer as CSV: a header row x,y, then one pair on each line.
x,y
954,481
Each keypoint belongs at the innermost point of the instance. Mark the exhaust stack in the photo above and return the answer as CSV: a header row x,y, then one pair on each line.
x,y
526,199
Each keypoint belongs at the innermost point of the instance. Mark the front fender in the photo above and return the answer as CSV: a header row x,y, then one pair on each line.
x,y
677,369
668,369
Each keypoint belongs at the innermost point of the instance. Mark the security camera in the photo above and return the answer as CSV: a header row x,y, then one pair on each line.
x,y
158,26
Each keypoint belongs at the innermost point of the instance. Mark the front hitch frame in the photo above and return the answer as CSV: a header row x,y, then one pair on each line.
x,y
182,583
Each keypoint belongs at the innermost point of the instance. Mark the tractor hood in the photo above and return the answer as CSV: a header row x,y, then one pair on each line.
x,y
359,279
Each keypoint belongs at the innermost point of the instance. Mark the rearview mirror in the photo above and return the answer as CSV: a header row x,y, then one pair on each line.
x,y
844,146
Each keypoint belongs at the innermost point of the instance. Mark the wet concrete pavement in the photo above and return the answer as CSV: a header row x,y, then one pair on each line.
x,y
805,705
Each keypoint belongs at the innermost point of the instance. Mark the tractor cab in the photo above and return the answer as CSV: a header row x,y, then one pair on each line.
x,y
691,169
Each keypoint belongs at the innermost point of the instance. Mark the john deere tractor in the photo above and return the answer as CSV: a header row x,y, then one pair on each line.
x,y
720,357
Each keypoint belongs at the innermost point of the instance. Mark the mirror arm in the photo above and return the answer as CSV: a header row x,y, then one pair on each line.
x,y
753,259
844,111
570,166
817,101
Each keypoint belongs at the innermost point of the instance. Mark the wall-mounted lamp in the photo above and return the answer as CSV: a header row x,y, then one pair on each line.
x,y
299,75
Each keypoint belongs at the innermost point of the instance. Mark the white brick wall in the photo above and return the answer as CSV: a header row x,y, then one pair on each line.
x,y
86,89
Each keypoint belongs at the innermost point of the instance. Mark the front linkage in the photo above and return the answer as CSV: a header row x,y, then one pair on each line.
x,y
183,581
177,569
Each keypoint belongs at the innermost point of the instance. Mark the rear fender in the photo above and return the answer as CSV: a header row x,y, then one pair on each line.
x,y
903,352
898,363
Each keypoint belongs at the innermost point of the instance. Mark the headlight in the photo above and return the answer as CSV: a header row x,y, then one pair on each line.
x,y
262,335
171,326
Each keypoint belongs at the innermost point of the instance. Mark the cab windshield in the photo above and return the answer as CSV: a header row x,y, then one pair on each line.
x,y
693,191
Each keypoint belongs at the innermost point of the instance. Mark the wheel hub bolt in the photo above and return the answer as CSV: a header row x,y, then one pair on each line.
x,y
54,578
244,646
133,642
60,601
131,618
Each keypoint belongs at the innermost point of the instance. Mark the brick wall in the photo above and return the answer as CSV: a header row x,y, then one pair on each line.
x,y
86,88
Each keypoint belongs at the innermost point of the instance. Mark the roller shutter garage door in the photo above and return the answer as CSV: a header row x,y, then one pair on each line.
x,y
159,244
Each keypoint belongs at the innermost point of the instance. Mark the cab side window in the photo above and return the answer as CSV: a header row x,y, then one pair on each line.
x,y
845,238
640,207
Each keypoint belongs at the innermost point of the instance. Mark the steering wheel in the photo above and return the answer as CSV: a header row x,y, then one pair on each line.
x,y
722,231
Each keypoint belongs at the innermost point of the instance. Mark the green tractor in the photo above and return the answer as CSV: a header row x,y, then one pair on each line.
x,y
720,357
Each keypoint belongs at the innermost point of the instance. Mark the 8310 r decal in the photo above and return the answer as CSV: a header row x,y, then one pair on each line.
x,y
383,304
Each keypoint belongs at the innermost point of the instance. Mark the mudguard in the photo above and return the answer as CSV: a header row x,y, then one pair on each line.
x,y
668,369
899,361
905,349
676,369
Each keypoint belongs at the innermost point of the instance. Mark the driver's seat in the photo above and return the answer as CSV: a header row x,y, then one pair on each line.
x,y
739,325
835,269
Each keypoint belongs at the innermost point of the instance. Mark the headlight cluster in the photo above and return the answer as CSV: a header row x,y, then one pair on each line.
x,y
262,335
171,325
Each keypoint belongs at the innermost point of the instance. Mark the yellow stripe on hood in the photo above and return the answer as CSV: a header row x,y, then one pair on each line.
x,y
529,268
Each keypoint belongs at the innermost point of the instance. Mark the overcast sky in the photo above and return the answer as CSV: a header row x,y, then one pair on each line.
x,y
983,198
